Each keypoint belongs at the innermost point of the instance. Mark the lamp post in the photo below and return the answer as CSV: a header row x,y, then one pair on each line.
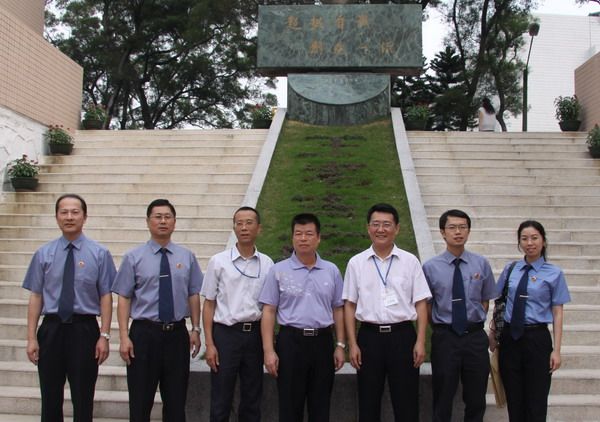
x,y
534,29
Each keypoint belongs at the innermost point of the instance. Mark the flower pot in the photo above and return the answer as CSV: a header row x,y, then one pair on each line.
x,y
24,184
594,151
261,124
92,124
415,124
61,149
569,125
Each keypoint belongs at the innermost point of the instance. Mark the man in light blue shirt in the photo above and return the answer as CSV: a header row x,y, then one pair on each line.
x,y
459,351
158,285
68,344
305,293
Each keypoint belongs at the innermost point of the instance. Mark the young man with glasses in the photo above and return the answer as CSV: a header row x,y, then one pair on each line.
x,y
231,317
385,291
158,285
462,283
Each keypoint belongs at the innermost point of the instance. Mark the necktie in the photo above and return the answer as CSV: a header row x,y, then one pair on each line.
x,y
459,307
165,290
67,293
517,322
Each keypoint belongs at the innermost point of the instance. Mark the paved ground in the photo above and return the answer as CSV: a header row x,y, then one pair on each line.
x,y
32,418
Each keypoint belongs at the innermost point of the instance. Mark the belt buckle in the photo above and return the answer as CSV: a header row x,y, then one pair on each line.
x,y
247,327
385,328
168,327
309,332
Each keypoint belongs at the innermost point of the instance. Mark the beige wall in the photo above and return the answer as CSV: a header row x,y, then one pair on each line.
x,y
587,89
30,12
36,79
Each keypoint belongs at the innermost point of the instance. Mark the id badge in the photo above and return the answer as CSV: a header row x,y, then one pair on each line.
x,y
389,299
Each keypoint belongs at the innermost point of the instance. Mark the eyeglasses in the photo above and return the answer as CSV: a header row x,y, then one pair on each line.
x,y
241,223
160,217
454,227
385,225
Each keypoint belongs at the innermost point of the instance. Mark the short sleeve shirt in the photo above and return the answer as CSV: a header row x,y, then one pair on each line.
x,y
235,282
546,287
304,297
385,291
94,274
138,279
478,282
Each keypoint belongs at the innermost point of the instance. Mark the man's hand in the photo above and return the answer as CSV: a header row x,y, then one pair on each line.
x,y
195,343
272,363
212,357
102,350
492,341
418,354
555,361
339,357
126,350
33,351
355,357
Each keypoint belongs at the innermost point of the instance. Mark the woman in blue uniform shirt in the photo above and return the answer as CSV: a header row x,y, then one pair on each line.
x,y
537,291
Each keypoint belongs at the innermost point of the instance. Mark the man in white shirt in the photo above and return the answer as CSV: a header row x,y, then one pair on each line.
x,y
231,317
385,290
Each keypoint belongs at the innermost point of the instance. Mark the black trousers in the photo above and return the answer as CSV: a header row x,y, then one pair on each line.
x,y
161,357
525,371
388,355
306,373
456,357
67,352
240,353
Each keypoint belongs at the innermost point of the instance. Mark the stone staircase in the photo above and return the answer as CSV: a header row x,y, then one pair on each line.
x,y
204,173
501,179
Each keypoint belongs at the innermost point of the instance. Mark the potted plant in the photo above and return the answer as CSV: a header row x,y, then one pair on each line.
x,y
262,116
59,140
593,141
568,110
94,117
22,173
416,117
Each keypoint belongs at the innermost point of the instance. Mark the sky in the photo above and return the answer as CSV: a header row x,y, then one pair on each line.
x,y
434,31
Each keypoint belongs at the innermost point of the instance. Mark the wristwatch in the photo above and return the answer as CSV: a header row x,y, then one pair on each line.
x,y
197,329
340,344
106,336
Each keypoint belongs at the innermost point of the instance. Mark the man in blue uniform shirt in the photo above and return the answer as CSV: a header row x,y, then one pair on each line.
x,y
462,283
158,285
69,279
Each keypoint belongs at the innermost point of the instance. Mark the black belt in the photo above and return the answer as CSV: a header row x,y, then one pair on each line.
x,y
246,327
306,332
171,326
537,326
73,318
384,328
472,327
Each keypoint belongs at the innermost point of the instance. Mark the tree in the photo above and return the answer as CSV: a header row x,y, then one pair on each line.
x,y
162,63
587,1
487,34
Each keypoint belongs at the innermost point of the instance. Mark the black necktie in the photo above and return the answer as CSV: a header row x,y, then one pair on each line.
x,y
517,321
459,307
165,290
67,293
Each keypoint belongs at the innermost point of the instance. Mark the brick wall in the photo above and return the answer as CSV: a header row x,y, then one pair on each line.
x,y
587,89
30,12
36,79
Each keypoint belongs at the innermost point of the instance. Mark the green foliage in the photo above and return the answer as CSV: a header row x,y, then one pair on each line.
x,y
96,112
261,112
162,63
330,171
567,108
593,137
417,113
23,167
57,135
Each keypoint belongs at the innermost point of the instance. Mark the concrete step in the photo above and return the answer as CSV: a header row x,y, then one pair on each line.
x,y
435,209
12,290
498,138
576,152
507,189
135,198
167,150
591,263
575,170
163,188
141,137
550,223
155,161
461,200
561,408
452,178
35,418
174,169
458,148
480,232
109,234
109,404
140,178
581,334
509,163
